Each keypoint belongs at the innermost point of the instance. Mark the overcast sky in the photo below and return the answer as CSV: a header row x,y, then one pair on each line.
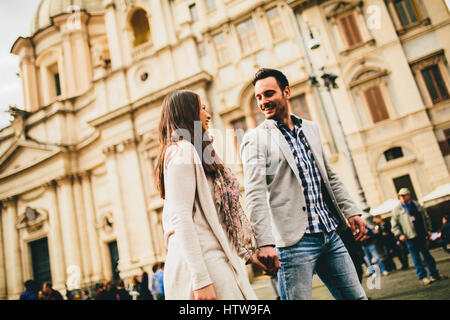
x,y
15,21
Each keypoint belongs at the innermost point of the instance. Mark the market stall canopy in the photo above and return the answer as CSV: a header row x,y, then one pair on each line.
x,y
385,208
439,195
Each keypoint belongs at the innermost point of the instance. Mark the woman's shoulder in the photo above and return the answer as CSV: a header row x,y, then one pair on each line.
x,y
181,152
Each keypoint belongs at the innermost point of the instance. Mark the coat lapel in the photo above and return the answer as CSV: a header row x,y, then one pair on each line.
x,y
314,146
279,140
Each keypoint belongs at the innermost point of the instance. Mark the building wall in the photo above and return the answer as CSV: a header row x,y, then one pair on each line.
x,y
85,160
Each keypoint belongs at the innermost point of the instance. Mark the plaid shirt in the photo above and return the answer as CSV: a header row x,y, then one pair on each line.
x,y
318,214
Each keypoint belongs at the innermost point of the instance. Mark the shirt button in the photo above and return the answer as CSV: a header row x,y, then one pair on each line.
x,y
304,208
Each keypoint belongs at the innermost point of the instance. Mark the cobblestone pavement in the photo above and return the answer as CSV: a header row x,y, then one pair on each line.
x,y
399,285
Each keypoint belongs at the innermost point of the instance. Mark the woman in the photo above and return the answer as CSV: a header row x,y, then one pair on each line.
x,y
205,229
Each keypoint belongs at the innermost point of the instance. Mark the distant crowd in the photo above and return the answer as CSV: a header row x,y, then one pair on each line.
x,y
140,287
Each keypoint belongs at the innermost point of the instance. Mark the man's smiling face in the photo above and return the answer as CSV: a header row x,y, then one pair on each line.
x,y
272,101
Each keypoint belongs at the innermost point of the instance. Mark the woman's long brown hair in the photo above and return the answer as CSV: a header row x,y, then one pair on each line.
x,y
180,110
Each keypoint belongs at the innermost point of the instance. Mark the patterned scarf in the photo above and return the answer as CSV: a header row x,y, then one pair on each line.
x,y
233,218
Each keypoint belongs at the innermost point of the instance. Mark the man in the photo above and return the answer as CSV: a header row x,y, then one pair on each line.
x,y
49,293
295,199
411,224
30,292
383,229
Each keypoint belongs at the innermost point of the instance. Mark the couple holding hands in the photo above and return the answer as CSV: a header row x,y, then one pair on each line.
x,y
295,200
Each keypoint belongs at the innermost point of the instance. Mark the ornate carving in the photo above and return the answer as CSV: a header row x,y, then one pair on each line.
x,y
32,219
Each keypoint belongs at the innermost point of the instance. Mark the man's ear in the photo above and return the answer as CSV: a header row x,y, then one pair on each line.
x,y
287,92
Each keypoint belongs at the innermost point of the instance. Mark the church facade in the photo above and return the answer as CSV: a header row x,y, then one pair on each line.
x,y
78,200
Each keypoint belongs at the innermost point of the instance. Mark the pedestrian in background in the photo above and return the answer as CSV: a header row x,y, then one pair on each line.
x,y
370,250
108,292
48,293
157,281
121,292
144,291
394,249
411,224
31,292
445,234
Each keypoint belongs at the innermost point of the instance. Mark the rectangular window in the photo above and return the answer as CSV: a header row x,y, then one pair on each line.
x,y
393,153
406,12
435,84
247,36
276,25
376,104
300,107
240,127
221,48
350,30
445,145
57,84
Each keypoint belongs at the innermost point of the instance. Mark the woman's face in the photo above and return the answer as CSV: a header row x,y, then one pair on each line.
x,y
204,116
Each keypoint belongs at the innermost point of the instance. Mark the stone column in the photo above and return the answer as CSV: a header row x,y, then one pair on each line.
x,y
92,234
3,294
13,263
69,225
112,31
55,242
30,84
120,221
82,227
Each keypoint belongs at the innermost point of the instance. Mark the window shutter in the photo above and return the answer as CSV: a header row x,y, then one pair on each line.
x,y
376,104
435,84
351,30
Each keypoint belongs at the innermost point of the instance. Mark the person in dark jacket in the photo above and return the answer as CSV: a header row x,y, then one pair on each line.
x,y
445,234
411,224
144,291
31,292
122,293
49,293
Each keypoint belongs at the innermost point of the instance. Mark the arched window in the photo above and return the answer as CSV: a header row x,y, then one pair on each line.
x,y
141,28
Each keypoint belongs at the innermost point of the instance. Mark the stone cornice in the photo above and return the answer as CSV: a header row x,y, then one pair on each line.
x,y
199,78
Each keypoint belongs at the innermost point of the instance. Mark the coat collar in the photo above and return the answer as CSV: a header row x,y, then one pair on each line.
x,y
280,140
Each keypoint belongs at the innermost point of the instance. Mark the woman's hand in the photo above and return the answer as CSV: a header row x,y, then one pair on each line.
x,y
205,293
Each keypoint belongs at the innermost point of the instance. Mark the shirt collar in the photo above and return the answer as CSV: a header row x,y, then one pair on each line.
x,y
297,122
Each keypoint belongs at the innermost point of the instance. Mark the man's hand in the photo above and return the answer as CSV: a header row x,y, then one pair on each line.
x,y
358,227
268,257
402,238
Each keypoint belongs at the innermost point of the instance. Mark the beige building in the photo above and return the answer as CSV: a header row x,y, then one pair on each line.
x,y
77,190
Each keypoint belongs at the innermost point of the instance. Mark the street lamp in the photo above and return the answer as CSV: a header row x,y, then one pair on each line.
x,y
329,80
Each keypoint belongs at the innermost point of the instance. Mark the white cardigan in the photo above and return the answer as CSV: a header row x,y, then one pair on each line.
x,y
199,251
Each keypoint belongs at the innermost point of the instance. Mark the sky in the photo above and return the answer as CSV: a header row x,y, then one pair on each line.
x,y
15,20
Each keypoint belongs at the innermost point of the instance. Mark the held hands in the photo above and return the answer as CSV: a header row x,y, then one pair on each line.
x,y
358,227
267,259
205,293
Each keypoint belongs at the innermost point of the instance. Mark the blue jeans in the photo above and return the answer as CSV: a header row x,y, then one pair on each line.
x,y
419,245
371,252
324,254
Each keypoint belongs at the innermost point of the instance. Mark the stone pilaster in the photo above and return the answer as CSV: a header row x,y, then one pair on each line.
x,y
13,263
92,234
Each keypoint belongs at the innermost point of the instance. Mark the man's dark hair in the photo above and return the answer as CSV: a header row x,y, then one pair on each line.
x,y
30,285
278,75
